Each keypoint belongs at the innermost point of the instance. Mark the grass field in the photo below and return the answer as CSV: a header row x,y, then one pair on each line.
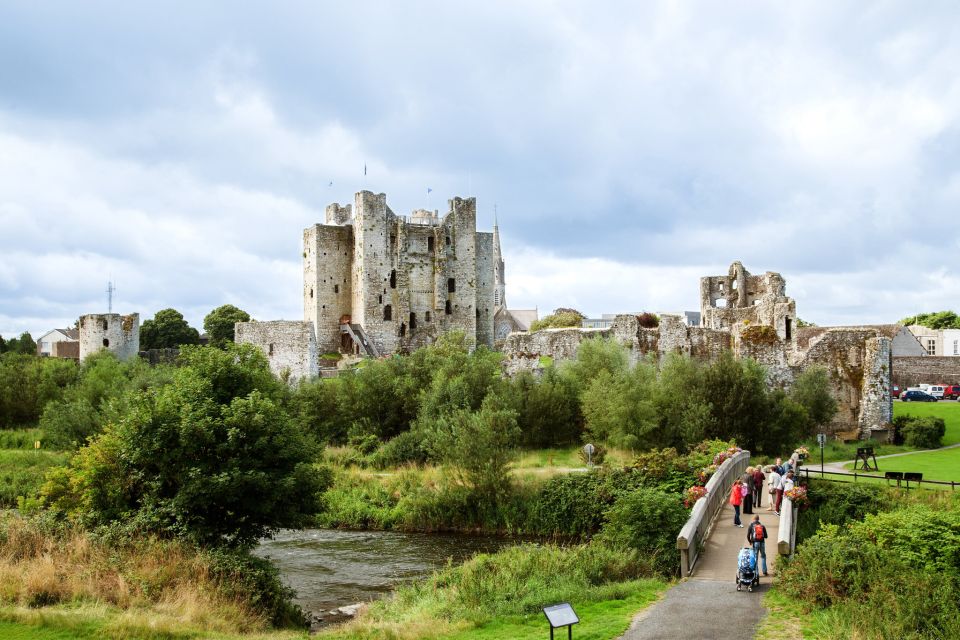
x,y
22,472
949,410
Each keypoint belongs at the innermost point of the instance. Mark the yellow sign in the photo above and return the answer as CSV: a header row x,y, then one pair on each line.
x,y
36,444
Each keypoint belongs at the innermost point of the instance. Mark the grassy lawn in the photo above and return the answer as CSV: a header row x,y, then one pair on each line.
x,y
949,410
566,458
943,464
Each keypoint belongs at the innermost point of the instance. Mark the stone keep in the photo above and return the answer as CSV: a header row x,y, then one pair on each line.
x,y
290,346
111,331
377,283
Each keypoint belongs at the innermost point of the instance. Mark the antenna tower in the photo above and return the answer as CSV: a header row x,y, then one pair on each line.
x,y
110,291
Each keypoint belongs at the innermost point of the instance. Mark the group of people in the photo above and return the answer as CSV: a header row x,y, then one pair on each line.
x,y
747,491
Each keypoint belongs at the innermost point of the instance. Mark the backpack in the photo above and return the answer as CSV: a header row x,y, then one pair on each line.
x,y
758,532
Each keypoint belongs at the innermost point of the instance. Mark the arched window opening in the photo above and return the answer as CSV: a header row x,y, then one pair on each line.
x,y
387,313
448,308
393,279
403,329
413,321
106,342
427,316
430,243
451,285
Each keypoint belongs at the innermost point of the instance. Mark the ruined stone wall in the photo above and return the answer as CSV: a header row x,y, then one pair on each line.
x,y
67,349
290,347
327,282
486,288
118,334
375,277
738,301
876,403
529,351
913,371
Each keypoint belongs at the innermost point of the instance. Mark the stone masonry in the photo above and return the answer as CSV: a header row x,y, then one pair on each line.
x,y
289,346
754,320
111,331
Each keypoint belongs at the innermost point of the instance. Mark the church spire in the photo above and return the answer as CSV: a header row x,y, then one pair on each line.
x,y
499,289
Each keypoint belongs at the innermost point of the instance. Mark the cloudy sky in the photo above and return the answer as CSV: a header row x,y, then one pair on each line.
x,y
180,150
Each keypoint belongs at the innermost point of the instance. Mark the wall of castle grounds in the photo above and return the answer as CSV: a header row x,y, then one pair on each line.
x,y
290,346
912,371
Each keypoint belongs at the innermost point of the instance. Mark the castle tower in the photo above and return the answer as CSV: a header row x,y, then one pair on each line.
x,y
118,334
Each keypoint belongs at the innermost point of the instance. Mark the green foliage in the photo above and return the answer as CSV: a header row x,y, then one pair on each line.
x,y
593,356
648,521
479,445
934,320
547,409
256,581
811,390
559,319
22,473
619,408
28,383
408,447
219,323
21,438
924,433
896,574
23,345
648,320
801,323
840,503
167,329
211,457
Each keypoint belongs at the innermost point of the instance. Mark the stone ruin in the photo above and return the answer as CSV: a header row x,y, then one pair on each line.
x,y
752,317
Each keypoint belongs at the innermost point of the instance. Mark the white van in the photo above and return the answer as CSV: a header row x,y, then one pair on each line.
x,y
936,391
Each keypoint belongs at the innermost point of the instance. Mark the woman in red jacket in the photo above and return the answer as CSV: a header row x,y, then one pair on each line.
x,y
736,499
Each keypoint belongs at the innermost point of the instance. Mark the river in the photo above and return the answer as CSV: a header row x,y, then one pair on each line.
x,y
331,568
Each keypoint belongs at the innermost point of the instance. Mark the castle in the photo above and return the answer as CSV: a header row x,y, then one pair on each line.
x,y
376,283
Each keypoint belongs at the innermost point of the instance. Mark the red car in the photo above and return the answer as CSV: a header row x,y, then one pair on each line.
x,y
951,391
895,391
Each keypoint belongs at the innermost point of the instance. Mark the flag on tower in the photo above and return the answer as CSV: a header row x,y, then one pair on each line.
x,y
429,190
364,168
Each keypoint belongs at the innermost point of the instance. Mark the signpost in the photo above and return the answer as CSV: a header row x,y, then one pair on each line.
x,y
822,441
561,615
589,450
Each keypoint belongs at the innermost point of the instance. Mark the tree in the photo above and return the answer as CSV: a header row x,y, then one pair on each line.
x,y
212,457
618,408
167,329
811,390
219,323
479,446
935,320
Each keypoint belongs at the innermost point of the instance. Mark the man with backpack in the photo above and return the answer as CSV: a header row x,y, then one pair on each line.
x,y
756,535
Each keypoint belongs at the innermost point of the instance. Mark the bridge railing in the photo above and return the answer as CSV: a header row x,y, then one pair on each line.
x,y
705,510
787,531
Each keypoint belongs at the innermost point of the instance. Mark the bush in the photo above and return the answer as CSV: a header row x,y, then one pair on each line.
x,y
840,503
647,520
924,433
408,447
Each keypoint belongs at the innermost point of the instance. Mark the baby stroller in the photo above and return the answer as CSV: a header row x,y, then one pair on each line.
x,y
747,569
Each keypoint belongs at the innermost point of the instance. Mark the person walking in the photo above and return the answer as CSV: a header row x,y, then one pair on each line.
x,y
746,488
757,486
757,535
776,483
736,499
773,481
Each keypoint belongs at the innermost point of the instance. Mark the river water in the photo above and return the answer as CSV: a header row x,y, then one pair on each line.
x,y
331,568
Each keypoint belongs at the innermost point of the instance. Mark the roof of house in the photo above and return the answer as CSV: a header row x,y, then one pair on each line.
x,y
69,334
523,317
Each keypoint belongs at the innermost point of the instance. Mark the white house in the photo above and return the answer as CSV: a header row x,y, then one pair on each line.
x,y
46,341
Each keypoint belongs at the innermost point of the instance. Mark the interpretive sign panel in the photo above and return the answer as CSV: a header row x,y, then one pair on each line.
x,y
561,615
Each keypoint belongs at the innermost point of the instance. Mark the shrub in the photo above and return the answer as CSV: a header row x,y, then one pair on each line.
x,y
408,447
925,433
648,521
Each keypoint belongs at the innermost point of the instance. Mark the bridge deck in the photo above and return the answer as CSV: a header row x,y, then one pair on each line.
x,y
719,611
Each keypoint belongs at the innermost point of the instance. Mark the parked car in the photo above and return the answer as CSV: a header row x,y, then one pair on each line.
x,y
914,395
895,391
951,392
936,390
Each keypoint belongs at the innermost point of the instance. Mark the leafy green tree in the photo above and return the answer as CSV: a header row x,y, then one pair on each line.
x,y
618,408
479,446
811,390
935,320
547,409
593,356
219,323
737,391
24,345
681,407
212,457
28,383
167,329
648,520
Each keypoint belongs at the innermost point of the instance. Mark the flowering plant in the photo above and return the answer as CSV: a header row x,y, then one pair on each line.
x,y
803,452
798,495
694,493
720,458
705,474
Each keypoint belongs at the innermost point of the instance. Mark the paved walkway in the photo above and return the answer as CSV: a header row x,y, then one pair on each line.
x,y
708,605
840,467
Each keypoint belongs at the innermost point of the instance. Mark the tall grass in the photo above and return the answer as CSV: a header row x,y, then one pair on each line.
x,y
491,587
173,586
22,472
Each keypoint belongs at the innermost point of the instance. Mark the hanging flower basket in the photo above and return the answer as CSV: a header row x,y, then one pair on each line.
x,y
694,493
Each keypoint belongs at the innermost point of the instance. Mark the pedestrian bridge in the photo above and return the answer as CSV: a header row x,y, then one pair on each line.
x,y
708,546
